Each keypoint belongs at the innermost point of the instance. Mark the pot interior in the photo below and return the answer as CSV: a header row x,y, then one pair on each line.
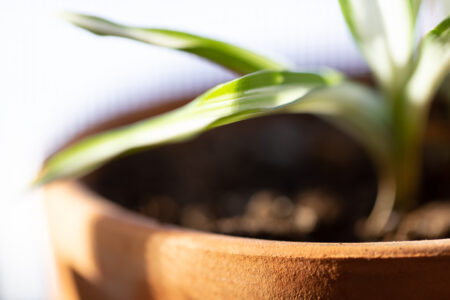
x,y
284,177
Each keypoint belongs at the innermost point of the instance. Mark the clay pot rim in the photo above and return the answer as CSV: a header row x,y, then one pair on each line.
x,y
222,243
215,242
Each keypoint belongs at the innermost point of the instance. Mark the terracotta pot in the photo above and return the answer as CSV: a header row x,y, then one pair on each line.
x,y
106,252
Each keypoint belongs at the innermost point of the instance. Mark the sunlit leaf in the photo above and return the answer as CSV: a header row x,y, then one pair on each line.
x,y
232,57
384,31
432,66
243,98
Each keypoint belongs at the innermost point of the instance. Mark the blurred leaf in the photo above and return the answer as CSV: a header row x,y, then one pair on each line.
x,y
411,110
243,98
232,57
432,65
360,112
384,31
357,110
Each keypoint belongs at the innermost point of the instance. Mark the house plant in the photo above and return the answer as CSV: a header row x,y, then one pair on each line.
x,y
132,254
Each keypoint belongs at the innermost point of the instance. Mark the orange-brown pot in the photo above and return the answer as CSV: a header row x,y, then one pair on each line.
x,y
103,251
106,252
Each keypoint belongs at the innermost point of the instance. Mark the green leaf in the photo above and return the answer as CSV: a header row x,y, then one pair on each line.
x,y
384,32
357,110
432,66
360,112
249,96
232,57
410,116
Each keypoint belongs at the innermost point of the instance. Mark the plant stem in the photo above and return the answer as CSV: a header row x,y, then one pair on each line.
x,y
379,217
399,179
409,124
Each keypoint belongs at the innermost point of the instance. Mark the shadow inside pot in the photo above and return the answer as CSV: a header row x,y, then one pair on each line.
x,y
120,262
85,288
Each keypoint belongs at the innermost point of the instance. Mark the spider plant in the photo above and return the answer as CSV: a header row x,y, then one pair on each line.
x,y
388,120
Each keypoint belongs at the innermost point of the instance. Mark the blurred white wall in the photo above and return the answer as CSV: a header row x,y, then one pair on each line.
x,y
56,80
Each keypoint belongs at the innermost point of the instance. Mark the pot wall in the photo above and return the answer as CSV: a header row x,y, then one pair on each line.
x,y
105,252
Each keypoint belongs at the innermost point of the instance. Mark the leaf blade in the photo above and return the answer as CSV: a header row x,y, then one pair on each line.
x,y
357,110
432,65
243,98
360,112
239,60
384,32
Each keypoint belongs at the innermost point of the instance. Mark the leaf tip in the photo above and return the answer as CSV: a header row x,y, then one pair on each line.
x,y
68,16
40,179
45,175
91,23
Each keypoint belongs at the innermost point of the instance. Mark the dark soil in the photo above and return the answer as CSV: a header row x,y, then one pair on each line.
x,y
285,177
